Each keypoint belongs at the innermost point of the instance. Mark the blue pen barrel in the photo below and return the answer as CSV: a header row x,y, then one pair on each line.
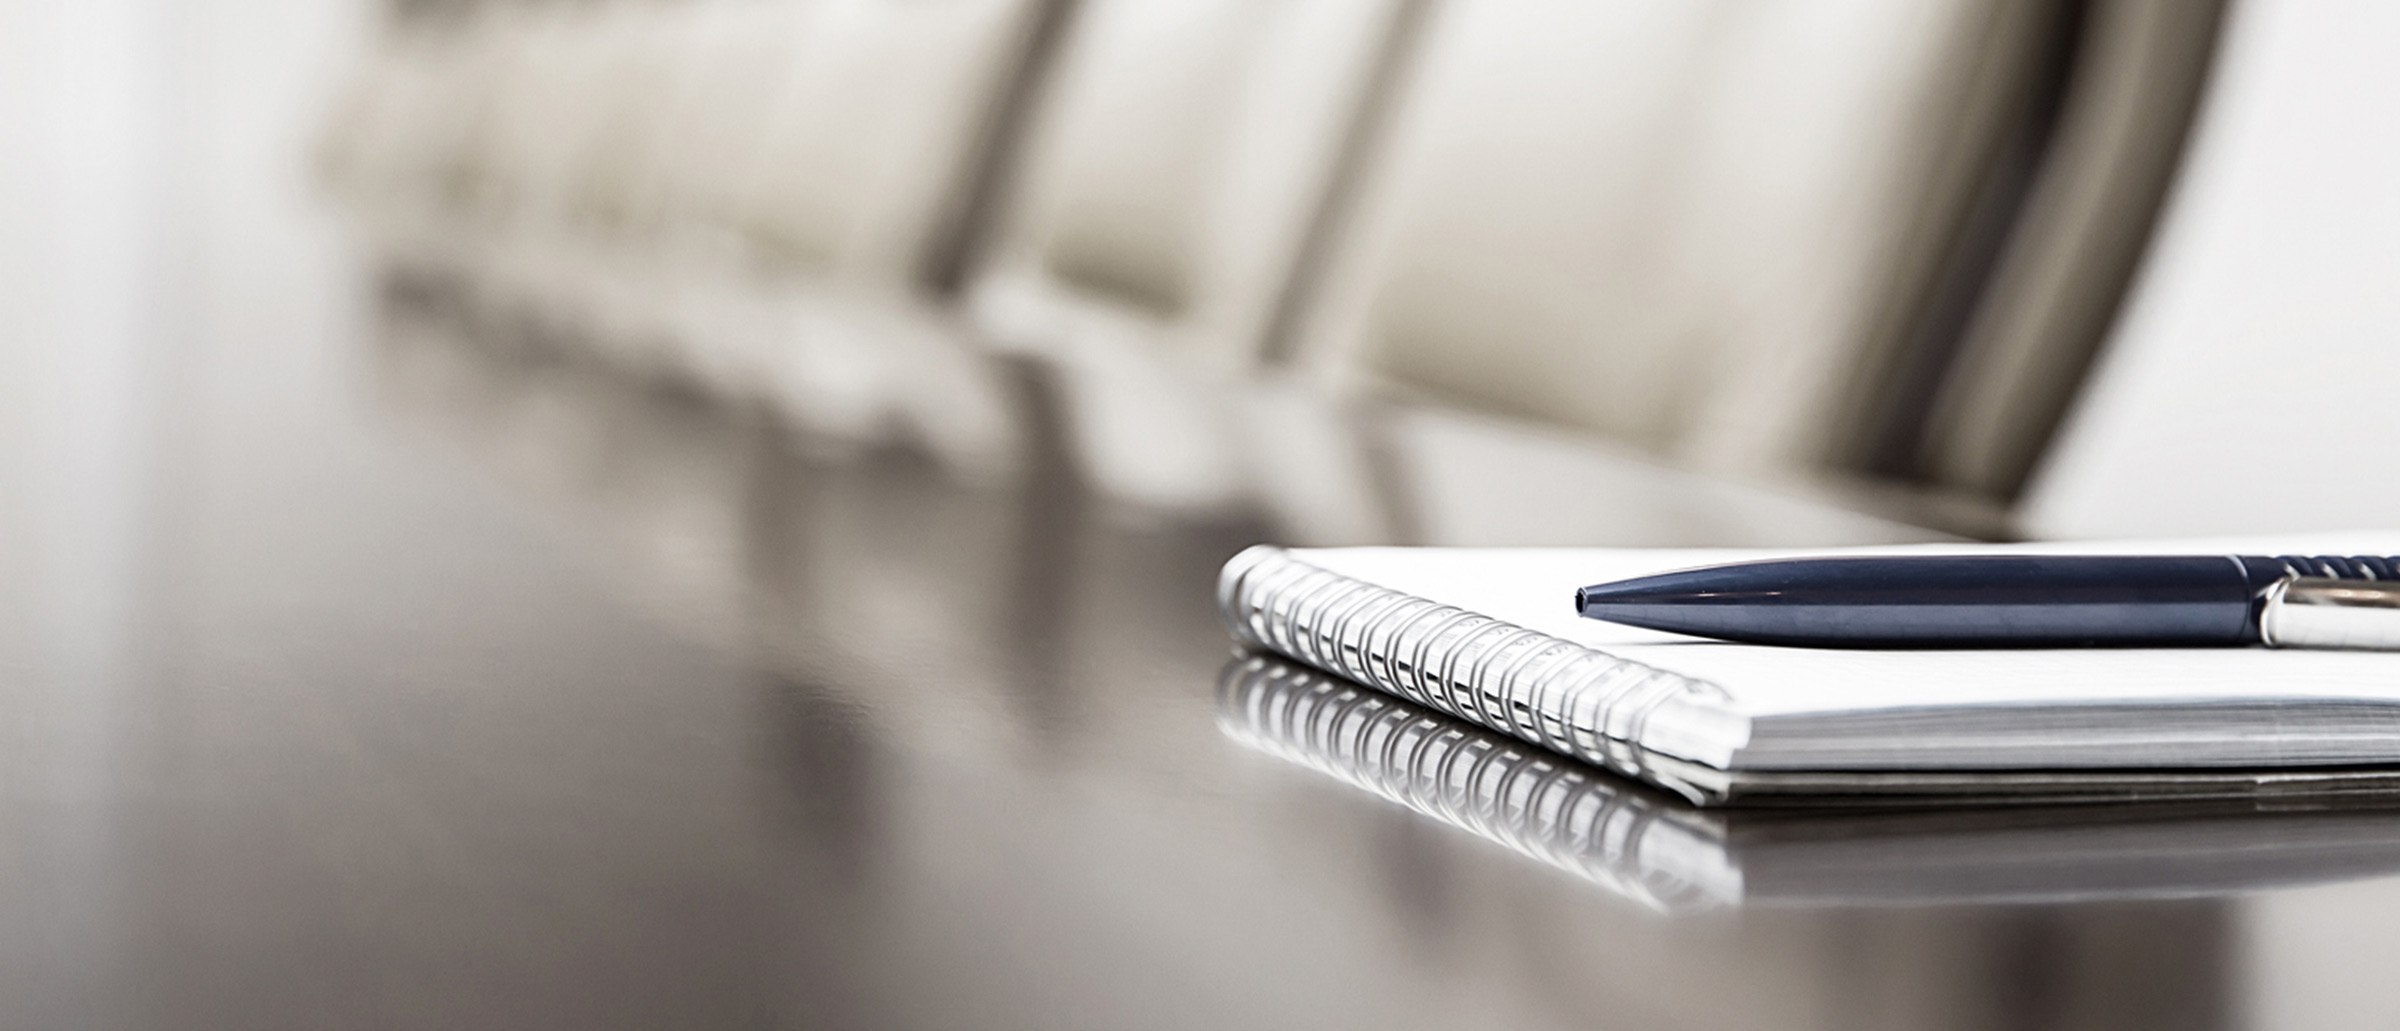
x,y
1968,600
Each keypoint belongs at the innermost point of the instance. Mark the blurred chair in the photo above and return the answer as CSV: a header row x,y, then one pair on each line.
x,y
1180,164
1182,167
2056,288
740,59
403,133
2243,388
497,119
1686,225
641,65
845,138
858,194
879,134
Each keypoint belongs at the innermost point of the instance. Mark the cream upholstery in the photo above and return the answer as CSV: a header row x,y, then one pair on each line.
x,y
742,59
2243,391
620,75
2060,284
407,125
875,132
560,108
1685,224
1177,168
1179,164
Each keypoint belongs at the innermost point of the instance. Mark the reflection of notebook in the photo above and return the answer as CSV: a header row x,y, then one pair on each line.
x,y
1656,849
1490,636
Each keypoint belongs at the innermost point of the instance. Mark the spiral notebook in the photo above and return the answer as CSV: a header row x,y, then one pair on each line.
x,y
1654,849
1489,636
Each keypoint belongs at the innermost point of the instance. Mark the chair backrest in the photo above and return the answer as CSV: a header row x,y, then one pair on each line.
x,y
2244,387
2057,286
1180,161
407,128
580,121
559,113
878,132
1683,223
707,86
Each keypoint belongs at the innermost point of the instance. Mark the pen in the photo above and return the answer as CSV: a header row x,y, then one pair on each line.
x,y
2020,601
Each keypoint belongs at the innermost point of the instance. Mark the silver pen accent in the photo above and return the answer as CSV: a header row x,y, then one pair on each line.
x,y
2323,612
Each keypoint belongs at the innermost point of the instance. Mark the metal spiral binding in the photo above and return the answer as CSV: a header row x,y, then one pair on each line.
x,y
1564,696
1551,811
2340,567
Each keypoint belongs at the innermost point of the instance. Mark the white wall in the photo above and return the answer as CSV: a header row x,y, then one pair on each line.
x,y
124,125
2254,383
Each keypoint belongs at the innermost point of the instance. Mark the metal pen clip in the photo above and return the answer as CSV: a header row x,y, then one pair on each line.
x,y
2321,612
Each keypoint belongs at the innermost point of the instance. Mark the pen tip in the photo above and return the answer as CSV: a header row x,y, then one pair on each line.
x,y
1639,602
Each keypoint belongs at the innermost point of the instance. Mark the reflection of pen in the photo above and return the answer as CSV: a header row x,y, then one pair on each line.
x,y
1980,601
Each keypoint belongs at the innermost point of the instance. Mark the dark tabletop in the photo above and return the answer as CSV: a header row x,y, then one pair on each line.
x,y
391,642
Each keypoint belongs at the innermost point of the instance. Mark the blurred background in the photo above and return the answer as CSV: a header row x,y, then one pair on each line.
x,y
621,512
2001,268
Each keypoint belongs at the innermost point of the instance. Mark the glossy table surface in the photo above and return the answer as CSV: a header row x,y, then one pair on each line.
x,y
389,639
423,663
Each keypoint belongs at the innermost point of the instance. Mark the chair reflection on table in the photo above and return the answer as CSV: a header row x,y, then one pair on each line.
x,y
1653,848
